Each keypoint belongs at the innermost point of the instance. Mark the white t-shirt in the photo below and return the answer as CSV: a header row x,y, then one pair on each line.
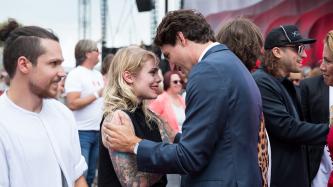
x,y
86,81
35,148
180,115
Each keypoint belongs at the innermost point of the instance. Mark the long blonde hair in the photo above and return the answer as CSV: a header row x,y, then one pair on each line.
x,y
119,95
329,40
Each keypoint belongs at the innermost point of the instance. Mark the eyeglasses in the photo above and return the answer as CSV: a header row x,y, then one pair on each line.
x,y
177,82
297,48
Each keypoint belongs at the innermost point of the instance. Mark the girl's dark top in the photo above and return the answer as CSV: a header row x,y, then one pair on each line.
x,y
106,175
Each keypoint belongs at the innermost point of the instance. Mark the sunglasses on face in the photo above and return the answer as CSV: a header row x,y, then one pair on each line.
x,y
177,82
297,48
96,50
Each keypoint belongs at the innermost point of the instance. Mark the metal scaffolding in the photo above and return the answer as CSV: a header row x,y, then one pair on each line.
x,y
84,19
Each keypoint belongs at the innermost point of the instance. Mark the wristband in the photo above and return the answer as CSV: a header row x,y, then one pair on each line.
x,y
96,95
135,151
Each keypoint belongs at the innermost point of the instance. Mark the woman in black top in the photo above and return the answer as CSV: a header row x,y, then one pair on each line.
x,y
133,79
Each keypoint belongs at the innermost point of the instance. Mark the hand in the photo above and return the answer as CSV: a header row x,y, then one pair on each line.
x,y
118,134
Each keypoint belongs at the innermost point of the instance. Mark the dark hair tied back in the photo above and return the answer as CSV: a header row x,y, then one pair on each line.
x,y
7,29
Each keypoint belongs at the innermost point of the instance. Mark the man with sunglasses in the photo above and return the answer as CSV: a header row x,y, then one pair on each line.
x,y
83,87
284,50
316,99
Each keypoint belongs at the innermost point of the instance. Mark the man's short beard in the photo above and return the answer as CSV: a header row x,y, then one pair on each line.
x,y
40,92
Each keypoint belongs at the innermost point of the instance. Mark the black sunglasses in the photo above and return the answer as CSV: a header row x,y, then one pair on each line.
x,y
177,81
297,48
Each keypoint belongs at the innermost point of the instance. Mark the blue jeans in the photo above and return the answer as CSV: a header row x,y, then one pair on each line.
x,y
89,150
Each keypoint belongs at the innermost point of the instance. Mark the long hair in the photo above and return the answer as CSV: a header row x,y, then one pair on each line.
x,y
243,38
119,95
270,63
329,40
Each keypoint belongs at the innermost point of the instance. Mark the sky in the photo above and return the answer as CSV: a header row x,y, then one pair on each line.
x,y
125,24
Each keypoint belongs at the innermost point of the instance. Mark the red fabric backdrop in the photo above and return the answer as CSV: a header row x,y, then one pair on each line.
x,y
314,19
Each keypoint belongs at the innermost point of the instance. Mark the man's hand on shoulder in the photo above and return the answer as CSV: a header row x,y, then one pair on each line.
x,y
118,133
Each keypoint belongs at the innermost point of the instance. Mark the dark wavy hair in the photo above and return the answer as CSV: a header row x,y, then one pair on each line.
x,y
22,41
191,23
270,63
243,38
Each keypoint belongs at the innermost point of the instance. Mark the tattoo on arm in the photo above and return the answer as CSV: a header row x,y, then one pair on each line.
x,y
167,133
126,169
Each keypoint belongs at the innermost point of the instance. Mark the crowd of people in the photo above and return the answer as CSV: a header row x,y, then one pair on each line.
x,y
214,119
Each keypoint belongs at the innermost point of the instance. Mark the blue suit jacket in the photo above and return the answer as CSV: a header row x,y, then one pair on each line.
x,y
218,146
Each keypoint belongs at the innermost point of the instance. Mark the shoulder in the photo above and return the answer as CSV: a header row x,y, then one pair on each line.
x,y
57,106
266,83
312,81
259,74
262,77
163,97
116,116
74,74
96,72
77,72
2,103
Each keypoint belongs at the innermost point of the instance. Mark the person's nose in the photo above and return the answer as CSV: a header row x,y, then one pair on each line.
x,y
158,79
61,72
322,67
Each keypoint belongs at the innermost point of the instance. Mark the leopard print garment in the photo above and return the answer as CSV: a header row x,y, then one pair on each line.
x,y
263,152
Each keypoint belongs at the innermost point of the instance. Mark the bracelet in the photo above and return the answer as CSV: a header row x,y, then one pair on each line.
x,y
96,95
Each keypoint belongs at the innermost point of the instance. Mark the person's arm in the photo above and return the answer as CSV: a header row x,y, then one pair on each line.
x,y
282,125
73,88
124,164
76,102
168,134
81,182
201,131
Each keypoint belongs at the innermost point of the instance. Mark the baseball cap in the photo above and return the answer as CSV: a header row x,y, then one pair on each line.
x,y
285,35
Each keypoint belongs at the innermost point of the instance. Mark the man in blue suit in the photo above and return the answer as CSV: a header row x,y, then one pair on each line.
x,y
218,144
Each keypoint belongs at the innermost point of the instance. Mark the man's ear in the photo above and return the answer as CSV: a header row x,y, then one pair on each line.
x,y
277,52
23,65
128,77
181,38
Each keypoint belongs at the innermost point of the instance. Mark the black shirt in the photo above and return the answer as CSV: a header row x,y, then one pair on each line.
x,y
106,175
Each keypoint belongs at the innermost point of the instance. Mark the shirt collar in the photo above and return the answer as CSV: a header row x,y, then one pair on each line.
x,y
206,49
